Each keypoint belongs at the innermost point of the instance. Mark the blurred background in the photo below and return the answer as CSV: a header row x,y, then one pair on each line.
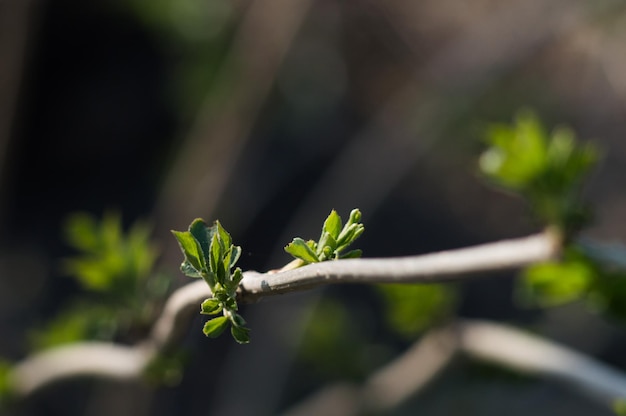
x,y
267,115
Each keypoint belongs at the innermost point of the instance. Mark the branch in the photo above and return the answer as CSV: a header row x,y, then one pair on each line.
x,y
500,344
97,359
437,267
126,362
531,354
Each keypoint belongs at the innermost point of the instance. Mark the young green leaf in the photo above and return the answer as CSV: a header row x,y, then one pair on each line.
x,y
191,249
235,253
216,257
332,225
233,283
211,306
203,235
214,327
352,254
238,320
300,249
326,241
241,334
189,270
225,239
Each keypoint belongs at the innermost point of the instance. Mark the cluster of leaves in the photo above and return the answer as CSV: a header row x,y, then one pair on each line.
x,y
333,241
109,260
547,169
210,255
113,267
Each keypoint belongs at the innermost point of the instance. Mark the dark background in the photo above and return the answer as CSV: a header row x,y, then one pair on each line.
x,y
267,116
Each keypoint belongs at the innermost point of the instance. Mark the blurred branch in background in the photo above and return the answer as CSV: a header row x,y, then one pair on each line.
x,y
15,28
495,343
223,125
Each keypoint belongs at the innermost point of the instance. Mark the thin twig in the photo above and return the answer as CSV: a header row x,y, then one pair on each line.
x,y
125,362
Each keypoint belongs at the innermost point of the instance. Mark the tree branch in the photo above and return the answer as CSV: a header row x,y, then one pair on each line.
x,y
126,362
486,341
531,354
436,267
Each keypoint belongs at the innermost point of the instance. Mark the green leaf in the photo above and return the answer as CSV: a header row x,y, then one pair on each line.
x,y
327,241
214,327
349,235
216,256
352,254
211,306
332,225
301,250
235,253
233,283
238,320
210,278
203,235
224,236
241,334
191,249
189,270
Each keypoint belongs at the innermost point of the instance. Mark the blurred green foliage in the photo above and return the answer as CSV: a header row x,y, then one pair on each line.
x,y
554,283
114,267
166,368
5,387
109,260
409,309
332,342
619,407
75,323
547,169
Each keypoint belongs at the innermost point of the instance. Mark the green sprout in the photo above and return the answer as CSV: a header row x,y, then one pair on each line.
x,y
334,240
210,255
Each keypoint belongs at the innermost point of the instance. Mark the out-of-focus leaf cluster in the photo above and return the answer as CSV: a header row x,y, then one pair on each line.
x,y
548,169
410,309
109,260
210,255
114,267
